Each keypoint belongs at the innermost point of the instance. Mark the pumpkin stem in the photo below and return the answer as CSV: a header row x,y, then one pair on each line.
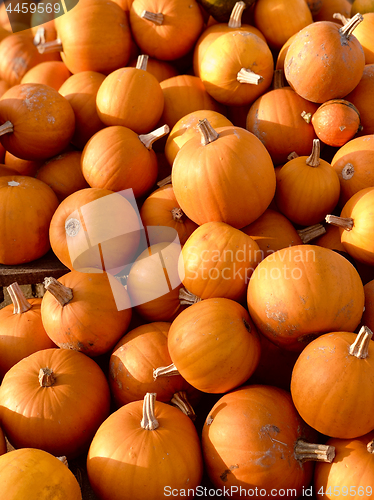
x,y
247,76
142,62
341,18
348,171
52,46
360,347
63,460
307,116
165,371
313,159
149,421
347,29
6,128
310,233
235,20
180,400
305,452
370,447
20,303
164,182
346,223
279,81
46,377
177,214
153,17
208,134
60,292
187,298
39,36
292,156
149,139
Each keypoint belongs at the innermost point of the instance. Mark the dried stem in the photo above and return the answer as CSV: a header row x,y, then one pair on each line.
x,y
164,182
180,400
313,159
247,76
6,128
52,46
46,377
208,134
153,17
305,452
20,303
346,223
149,421
310,233
187,298
360,347
142,62
348,171
165,371
235,20
177,214
347,29
60,292
149,139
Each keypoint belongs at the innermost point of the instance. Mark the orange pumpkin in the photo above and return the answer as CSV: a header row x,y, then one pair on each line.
x,y
161,70
162,210
198,343
226,153
81,90
128,163
278,20
37,396
38,122
360,96
165,30
237,68
63,173
329,8
254,439
368,316
305,65
139,437
218,260
52,73
22,167
336,364
31,473
21,329
85,311
26,209
301,292
109,225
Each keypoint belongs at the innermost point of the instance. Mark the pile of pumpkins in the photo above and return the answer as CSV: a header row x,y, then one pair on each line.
x,y
204,169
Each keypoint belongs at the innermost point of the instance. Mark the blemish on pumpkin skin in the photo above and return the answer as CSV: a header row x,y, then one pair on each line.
x,y
224,474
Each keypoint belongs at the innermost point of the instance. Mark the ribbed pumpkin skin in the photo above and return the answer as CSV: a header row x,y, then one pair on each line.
x,y
300,292
319,67
126,462
325,374
35,474
200,184
61,419
248,441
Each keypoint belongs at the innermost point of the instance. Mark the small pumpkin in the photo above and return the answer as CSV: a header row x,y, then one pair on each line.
x,y
52,73
360,96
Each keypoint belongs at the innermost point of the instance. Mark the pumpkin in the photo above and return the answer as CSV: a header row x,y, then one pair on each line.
x,y
43,24
360,96
226,153
237,68
162,210
368,315
272,231
307,188
301,292
133,360
26,209
37,396
351,470
282,54
153,282
184,94
79,46
139,99
110,225
38,122
336,122
165,30
21,329
254,439
143,436
128,163
364,34
334,370
18,54
214,345
221,10
305,64
329,8
186,128
85,311
276,119
4,170
278,20
63,173
217,29
356,225
161,70
52,73
80,91
361,6
33,474
22,167
218,260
